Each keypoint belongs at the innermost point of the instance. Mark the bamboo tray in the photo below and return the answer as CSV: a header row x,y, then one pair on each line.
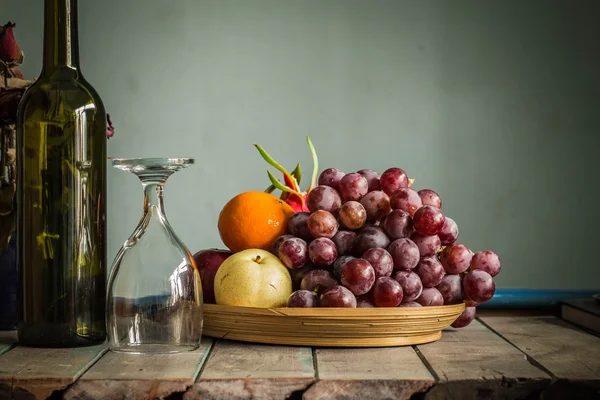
x,y
330,327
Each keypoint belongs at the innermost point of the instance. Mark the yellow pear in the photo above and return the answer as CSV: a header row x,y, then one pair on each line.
x,y
252,278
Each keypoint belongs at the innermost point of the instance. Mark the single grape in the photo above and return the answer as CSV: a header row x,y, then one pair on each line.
x,y
297,274
381,261
318,280
428,220
298,226
345,242
358,276
322,252
277,243
386,292
406,199
353,186
364,302
393,179
371,237
456,258
465,318
338,296
430,198
430,297
324,198
377,205
293,252
372,178
479,286
398,224
449,232
428,245
431,271
487,261
322,224
353,215
405,253
331,177
412,287
451,289
303,298
410,304
339,264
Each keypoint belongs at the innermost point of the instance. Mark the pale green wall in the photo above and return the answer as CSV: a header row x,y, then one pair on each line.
x,y
496,104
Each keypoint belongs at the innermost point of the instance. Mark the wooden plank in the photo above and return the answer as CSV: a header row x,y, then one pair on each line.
x,y
140,376
566,351
378,373
237,370
475,363
569,354
36,373
7,340
511,312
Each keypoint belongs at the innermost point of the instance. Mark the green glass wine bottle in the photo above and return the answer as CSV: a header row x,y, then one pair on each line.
x,y
61,196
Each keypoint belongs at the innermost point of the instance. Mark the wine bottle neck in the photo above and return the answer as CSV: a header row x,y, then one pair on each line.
x,y
61,42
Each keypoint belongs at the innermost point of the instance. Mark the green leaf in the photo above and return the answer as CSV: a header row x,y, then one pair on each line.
x,y
297,173
313,153
277,166
280,185
270,189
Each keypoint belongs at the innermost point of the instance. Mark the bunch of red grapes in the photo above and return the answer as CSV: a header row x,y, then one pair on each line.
x,y
373,241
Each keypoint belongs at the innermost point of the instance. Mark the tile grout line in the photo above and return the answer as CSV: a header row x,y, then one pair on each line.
x,y
314,359
529,358
208,356
100,356
11,346
426,363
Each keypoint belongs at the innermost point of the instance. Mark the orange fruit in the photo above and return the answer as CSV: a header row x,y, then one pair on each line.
x,y
253,220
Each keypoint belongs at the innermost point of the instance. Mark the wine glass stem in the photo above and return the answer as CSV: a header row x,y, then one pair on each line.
x,y
153,196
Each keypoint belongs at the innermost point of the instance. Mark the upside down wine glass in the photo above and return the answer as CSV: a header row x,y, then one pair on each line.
x,y
154,300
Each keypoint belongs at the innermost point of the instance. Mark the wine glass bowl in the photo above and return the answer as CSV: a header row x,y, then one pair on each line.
x,y
154,301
